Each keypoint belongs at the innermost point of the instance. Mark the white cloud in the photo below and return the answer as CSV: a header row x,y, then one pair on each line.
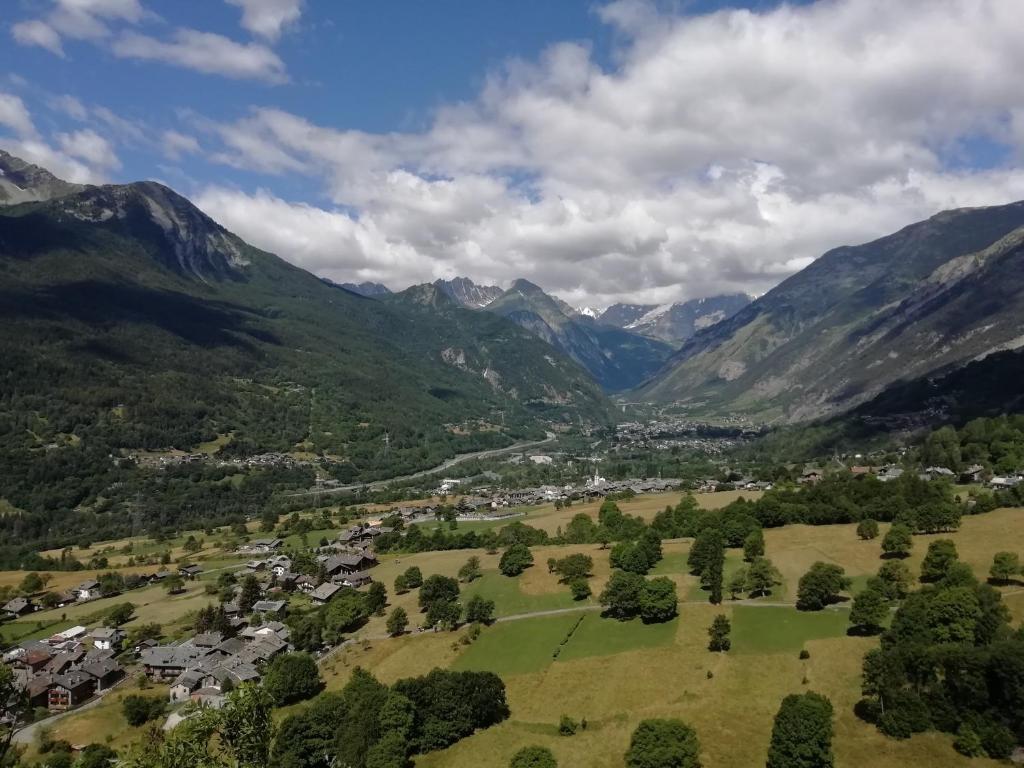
x,y
267,18
89,146
15,115
175,144
70,106
205,52
36,32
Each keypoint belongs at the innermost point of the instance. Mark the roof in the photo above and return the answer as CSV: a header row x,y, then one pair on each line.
x,y
91,584
17,605
208,639
102,668
191,568
325,591
269,606
172,655
106,633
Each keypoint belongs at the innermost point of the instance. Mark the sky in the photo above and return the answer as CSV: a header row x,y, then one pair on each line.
x,y
628,150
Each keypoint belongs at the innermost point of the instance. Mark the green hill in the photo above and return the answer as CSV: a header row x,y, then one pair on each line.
x,y
132,321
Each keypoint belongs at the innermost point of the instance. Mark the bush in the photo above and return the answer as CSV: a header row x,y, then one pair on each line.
x,y
663,744
567,726
804,654
533,757
580,589
867,529
141,709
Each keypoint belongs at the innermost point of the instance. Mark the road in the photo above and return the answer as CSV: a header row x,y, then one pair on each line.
x,y
377,484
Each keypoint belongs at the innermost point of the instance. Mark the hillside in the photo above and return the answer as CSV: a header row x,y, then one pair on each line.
x,y
928,298
135,322
466,293
674,323
617,359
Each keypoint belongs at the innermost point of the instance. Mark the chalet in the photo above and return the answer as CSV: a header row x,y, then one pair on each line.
x,y
324,593
37,690
305,582
68,638
104,672
270,629
256,565
888,474
938,473
190,571
19,606
64,661
207,640
355,580
33,659
280,564
107,638
348,563
973,474
272,607
263,649
1004,482
810,476
166,662
87,590
70,690
263,546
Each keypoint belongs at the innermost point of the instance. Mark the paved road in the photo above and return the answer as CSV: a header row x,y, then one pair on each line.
x,y
377,484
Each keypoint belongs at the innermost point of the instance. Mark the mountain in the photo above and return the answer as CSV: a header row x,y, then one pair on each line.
x,y
22,182
368,289
133,321
617,359
468,294
929,298
674,323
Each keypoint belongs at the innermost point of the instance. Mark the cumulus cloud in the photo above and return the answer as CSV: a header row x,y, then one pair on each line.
x,y
15,115
89,146
175,144
204,52
36,32
267,18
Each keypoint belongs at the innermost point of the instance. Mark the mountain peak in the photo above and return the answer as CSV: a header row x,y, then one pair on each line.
x,y
22,182
466,293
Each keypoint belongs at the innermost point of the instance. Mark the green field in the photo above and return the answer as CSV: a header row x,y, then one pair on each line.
x,y
517,647
777,629
509,599
598,636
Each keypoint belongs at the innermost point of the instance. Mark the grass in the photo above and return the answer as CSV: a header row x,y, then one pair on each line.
x,y
599,636
517,647
778,629
509,599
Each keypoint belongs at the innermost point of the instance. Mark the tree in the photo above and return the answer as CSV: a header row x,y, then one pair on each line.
x,y
1005,567
292,677
867,529
14,706
413,577
479,610
820,586
737,583
138,710
580,589
376,598
718,634
762,576
174,584
897,541
31,584
533,757
96,756
516,559
941,554
345,612
753,545
802,733
437,588
250,594
621,596
471,570
397,621
869,611
658,601
708,547
577,566
444,614
895,580
663,744
120,614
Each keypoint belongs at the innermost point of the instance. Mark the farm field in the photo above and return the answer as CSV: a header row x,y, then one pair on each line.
x,y
616,674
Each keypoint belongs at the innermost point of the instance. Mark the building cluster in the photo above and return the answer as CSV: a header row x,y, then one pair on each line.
x,y
69,668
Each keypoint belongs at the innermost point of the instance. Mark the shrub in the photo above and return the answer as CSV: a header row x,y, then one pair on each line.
x,y
567,726
533,757
141,709
663,744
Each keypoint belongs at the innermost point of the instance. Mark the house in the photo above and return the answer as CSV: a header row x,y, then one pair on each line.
x,y
349,563
273,607
107,638
19,606
208,640
936,473
973,474
256,565
324,593
69,638
64,661
270,629
355,580
33,659
190,571
104,672
888,474
166,662
857,471
264,546
280,564
1002,483
87,590
69,690
811,476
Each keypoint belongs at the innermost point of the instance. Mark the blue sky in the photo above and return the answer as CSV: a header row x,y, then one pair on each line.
x,y
621,150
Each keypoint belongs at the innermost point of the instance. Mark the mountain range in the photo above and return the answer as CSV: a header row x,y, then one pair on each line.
x,y
134,321
674,323
922,302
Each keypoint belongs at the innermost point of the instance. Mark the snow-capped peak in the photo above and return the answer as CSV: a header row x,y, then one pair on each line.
x,y
651,316
588,312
